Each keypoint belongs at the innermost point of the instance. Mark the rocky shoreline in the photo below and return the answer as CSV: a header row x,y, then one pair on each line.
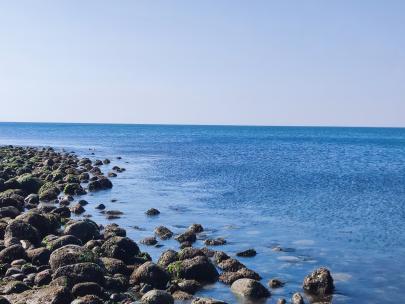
x,y
48,257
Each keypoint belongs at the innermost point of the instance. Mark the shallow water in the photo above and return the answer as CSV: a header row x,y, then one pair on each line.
x,y
330,197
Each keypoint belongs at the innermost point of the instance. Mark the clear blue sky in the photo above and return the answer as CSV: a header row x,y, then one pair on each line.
x,y
204,62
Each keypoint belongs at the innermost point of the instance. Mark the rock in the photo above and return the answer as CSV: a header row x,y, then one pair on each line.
x,y
84,230
86,288
70,254
244,273
167,257
187,236
207,301
319,282
48,192
9,211
77,209
189,286
149,241
152,212
100,207
43,278
275,283
62,212
297,299
14,252
81,272
220,256
181,295
38,221
45,295
89,299
29,183
114,266
281,301
231,265
196,228
157,297
215,242
250,288
52,242
114,230
118,282
3,300
100,184
163,232
247,253
121,248
74,189
198,268
32,199
151,274
189,253
12,198
15,287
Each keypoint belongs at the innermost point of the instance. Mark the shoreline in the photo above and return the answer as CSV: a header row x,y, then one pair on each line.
x,y
65,259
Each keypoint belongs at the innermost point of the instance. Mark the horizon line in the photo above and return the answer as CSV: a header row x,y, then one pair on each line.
x,y
201,125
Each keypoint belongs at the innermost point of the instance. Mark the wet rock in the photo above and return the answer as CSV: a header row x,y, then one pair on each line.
x,y
247,253
187,236
62,212
114,266
167,257
319,282
151,274
157,297
189,253
163,232
15,287
89,299
45,295
12,198
196,228
112,174
3,300
121,248
77,209
86,288
220,256
70,254
53,242
189,286
215,242
29,183
114,230
152,212
38,256
32,199
297,298
84,230
100,184
40,222
74,189
244,273
231,265
275,283
43,278
198,268
106,161
181,295
9,211
117,283
149,241
48,192
207,301
81,272
281,301
14,252
100,207
250,288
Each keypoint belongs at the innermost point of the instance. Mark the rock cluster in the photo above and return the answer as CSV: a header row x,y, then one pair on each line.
x,y
48,257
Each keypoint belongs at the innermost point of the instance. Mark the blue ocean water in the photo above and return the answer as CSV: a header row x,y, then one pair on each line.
x,y
330,197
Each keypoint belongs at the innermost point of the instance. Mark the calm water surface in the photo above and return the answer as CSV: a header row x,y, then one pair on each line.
x,y
332,197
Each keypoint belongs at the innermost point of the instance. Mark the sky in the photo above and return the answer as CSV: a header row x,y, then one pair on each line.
x,y
303,62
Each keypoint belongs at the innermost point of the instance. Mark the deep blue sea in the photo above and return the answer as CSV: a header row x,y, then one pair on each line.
x,y
330,197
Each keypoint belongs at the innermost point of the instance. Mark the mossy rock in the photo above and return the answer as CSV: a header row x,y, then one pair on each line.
x,y
29,183
48,192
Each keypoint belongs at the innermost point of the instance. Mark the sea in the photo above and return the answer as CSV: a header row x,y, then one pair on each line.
x,y
325,196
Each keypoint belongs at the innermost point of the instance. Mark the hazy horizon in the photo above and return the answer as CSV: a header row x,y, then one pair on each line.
x,y
262,63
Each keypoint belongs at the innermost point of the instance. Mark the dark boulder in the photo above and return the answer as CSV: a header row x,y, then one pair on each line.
x,y
198,268
22,231
151,274
71,254
157,297
121,248
81,272
84,230
319,282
